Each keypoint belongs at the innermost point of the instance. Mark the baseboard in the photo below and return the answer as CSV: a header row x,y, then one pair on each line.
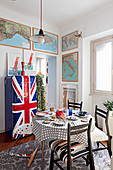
x,y
2,131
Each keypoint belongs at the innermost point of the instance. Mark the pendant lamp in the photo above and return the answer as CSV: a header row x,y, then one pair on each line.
x,y
41,37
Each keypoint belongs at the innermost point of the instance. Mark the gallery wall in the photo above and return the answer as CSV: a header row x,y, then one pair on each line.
x,y
96,25
10,15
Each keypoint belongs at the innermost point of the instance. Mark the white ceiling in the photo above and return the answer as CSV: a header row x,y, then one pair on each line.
x,y
55,12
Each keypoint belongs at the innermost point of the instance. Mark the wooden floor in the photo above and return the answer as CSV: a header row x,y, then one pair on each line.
x,y
6,141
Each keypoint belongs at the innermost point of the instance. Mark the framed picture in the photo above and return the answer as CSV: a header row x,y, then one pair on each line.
x,y
51,47
14,64
70,67
14,34
70,41
69,92
30,63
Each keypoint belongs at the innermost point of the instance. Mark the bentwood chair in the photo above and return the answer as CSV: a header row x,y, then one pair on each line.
x,y
98,135
69,150
75,105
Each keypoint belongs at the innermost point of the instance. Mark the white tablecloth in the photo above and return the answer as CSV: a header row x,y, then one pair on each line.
x,y
46,131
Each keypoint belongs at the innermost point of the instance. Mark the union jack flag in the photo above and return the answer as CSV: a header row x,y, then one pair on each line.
x,y
24,105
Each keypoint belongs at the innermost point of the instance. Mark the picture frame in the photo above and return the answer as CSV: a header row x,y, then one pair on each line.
x,y
70,41
18,34
70,67
13,64
30,63
51,47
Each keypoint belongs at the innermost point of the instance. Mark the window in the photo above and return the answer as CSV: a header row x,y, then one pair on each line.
x,y
101,66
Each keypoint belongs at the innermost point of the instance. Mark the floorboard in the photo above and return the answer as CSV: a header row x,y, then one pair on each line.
x,y
6,141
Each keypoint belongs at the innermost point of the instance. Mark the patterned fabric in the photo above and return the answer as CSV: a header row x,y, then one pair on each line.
x,y
47,131
60,147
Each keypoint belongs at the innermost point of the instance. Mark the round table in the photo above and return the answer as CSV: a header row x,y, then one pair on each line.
x,y
47,131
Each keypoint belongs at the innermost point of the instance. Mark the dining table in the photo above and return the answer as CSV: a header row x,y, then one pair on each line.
x,y
54,130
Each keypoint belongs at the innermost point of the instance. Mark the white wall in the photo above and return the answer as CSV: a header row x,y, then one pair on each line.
x,y
7,14
51,82
91,100
98,24
99,21
95,23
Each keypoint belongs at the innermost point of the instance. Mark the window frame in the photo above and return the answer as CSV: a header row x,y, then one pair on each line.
x,y
93,44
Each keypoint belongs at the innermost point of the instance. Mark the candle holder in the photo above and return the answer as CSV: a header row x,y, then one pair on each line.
x,y
23,72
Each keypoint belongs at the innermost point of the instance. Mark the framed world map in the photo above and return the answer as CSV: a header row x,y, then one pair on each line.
x,y
70,67
51,47
14,34
70,41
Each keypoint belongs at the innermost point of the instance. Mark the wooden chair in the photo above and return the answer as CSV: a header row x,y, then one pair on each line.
x,y
98,135
75,105
68,150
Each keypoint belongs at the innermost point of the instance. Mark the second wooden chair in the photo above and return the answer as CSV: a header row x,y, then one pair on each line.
x,y
75,105
98,135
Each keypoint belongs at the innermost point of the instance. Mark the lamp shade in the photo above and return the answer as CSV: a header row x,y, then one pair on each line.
x,y
41,38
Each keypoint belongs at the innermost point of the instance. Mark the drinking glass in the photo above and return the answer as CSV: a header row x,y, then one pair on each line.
x,y
70,112
52,107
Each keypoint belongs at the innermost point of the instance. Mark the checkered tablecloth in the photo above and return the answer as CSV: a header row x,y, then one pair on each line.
x,y
46,131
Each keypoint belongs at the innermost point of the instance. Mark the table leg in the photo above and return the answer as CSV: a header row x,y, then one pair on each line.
x,y
42,166
43,146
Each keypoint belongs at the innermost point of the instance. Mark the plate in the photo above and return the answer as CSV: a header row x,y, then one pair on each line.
x,y
84,120
72,118
59,122
41,114
46,121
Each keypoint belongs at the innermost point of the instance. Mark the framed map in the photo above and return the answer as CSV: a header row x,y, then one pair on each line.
x,y
70,67
14,34
70,41
51,47
14,64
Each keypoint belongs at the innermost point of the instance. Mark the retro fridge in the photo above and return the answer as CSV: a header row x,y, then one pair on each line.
x,y
20,105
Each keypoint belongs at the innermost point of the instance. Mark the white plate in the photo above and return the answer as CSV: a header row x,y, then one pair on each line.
x,y
41,114
83,116
58,122
84,120
72,118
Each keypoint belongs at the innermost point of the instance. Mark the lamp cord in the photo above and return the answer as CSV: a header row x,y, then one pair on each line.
x,y
41,14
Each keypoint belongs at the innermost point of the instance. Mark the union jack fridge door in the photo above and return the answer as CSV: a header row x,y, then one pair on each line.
x,y
24,105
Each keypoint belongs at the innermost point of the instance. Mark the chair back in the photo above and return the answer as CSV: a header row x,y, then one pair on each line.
x,y
103,114
77,130
75,105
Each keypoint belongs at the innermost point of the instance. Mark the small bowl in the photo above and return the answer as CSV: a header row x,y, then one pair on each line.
x,y
46,121
82,114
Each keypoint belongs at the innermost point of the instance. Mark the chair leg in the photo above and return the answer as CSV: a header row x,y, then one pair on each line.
x,y
92,167
109,147
52,160
87,163
97,144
